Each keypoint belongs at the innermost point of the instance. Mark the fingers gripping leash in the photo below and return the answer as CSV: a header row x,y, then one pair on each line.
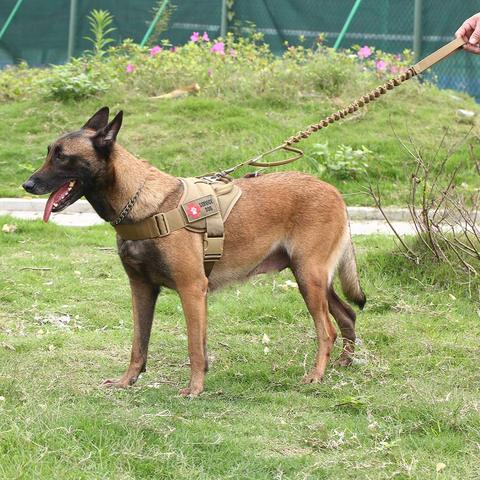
x,y
418,68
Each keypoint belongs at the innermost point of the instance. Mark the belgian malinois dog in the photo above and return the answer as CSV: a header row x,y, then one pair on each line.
x,y
281,220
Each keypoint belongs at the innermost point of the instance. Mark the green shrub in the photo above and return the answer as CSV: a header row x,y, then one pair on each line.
x,y
237,67
72,82
100,26
345,163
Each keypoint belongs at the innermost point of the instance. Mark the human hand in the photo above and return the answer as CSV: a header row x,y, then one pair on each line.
x,y
470,32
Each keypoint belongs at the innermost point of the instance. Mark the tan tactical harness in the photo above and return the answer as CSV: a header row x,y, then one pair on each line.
x,y
204,207
207,201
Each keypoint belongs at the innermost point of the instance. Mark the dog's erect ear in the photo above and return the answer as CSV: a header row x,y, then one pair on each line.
x,y
99,120
105,138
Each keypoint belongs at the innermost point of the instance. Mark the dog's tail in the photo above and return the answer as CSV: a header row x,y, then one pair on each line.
x,y
347,271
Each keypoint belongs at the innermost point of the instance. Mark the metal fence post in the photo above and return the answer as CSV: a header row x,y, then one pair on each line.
x,y
10,18
346,26
417,29
148,33
72,28
223,19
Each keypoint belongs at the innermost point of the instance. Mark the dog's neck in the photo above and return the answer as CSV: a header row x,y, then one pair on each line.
x,y
125,177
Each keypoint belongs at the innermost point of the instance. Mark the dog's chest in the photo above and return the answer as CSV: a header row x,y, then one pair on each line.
x,y
143,258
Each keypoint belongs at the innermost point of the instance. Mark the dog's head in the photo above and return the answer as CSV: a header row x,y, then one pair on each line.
x,y
76,163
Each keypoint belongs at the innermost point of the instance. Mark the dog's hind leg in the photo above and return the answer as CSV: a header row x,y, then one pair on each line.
x,y
144,296
313,284
345,318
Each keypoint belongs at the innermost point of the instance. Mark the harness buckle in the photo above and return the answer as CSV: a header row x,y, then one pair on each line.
x,y
162,224
212,248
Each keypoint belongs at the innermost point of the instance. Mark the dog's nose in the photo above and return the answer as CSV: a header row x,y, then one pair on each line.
x,y
29,186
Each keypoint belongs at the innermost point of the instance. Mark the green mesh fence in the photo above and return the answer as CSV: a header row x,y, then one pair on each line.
x,y
39,31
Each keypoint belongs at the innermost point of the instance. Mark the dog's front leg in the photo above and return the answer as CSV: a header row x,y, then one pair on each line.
x,y
144,296
194,303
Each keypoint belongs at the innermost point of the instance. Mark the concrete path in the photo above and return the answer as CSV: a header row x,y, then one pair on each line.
x,y
363,220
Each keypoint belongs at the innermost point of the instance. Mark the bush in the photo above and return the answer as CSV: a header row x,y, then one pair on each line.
x,y
345,163
70,82
243,66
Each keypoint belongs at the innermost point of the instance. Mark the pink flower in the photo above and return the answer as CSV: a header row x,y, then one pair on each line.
x,y
130,68
380,65
233,52
195,37
218,47
205,37
173,49
394,69
364,52
155,50
210,72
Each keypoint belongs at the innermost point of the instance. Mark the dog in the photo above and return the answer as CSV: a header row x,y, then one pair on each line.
x,y
282,220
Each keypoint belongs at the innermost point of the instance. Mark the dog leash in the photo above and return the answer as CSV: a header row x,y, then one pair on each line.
x,y
426,63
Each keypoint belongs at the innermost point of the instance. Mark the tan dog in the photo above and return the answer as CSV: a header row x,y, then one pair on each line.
x,y
281,220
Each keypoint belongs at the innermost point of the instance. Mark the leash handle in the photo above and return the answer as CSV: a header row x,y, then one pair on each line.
x,y
439,55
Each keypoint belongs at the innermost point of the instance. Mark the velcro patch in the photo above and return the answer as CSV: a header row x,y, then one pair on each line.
x,y
200,208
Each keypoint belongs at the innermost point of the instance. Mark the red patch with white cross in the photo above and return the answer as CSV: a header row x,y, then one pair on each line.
x,y
200,208
193,211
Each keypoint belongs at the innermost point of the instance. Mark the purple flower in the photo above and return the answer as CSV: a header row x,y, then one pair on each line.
x,y
130,68
205,37
364,52
380,65
155,50
218,47
195,37
210,72
173,49
394,70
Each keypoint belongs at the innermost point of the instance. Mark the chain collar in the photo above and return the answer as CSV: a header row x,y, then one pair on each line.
x,y
128,207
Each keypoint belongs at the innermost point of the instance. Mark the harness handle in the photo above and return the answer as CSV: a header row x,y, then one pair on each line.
x,y
255,161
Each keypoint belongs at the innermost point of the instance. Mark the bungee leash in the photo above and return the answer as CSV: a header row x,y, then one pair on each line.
x,y
418,68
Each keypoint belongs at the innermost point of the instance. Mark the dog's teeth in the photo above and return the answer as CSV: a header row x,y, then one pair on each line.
x,y
71,184
55,204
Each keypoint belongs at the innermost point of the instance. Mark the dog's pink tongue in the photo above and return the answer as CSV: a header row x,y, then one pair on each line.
x,y
54,198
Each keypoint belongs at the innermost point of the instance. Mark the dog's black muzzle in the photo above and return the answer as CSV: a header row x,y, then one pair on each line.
x,y
37,186
29,186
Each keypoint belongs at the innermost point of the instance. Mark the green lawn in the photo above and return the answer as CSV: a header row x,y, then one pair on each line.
x,y
408,408
197,135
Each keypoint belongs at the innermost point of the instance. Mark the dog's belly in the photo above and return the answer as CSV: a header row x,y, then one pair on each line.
x,y
275,262
223,275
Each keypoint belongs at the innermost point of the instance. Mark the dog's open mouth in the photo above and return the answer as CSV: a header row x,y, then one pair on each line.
x,y
60,199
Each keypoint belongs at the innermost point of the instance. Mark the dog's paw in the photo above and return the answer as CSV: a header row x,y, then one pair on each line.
x,y
117,383
191,391
312,377
343,361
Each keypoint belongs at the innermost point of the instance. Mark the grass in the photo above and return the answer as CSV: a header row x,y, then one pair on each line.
x,y
201,134
408,408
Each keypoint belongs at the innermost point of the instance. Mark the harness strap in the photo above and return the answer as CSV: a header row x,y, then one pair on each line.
x,y
159,225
